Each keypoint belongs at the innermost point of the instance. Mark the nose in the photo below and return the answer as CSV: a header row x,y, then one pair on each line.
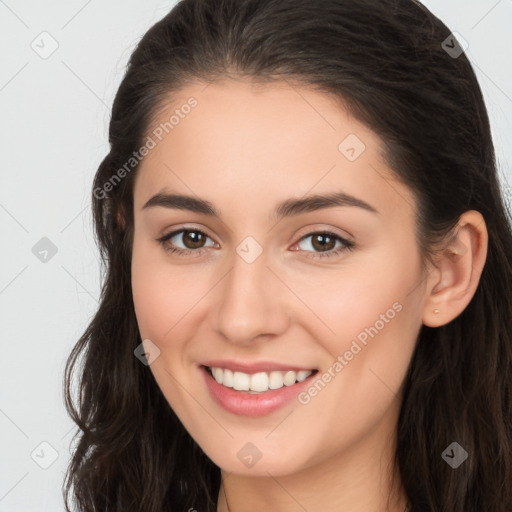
x,y
252,301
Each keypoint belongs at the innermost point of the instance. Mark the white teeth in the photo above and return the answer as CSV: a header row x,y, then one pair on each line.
x,y
218,374
226,378
289,378
276,380
303,375
241,381
258,382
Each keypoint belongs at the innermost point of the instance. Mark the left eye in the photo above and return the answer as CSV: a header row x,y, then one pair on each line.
x,y
193,239
324,240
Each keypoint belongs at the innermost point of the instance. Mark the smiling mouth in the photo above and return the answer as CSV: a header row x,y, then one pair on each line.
x,y
259,382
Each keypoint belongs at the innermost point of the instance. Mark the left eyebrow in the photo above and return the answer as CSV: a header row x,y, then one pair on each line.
x,y
287,208
291,207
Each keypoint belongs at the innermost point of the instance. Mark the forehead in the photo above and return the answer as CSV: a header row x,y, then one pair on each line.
x,y
267,141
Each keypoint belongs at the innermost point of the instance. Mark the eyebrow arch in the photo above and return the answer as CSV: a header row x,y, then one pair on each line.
x,y
287,208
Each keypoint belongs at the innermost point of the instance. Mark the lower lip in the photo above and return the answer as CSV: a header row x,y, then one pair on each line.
x,y
247,404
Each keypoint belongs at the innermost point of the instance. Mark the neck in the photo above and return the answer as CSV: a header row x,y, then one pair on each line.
x,y
356,480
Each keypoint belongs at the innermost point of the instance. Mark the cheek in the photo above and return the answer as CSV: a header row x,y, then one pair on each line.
x,y
149,299
162,293
345,304
370,316
162,296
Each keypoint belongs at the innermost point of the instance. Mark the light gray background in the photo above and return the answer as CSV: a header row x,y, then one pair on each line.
x,y
53,130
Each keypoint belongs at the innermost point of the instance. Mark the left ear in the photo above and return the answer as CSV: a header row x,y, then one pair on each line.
x,y
454,280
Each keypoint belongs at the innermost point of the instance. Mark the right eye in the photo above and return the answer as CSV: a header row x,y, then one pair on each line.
x,y
192,237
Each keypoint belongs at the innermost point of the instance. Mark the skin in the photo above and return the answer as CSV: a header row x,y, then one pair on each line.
x,y
245,148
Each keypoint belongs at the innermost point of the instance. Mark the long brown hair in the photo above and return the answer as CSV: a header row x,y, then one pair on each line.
x,y
385,59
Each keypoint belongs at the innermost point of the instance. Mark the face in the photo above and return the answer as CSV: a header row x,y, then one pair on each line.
x,y
328,286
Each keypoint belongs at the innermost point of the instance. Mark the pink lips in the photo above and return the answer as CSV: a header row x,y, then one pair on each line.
x,y
248,404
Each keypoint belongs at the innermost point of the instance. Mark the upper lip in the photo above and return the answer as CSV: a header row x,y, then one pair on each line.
x,y
259,366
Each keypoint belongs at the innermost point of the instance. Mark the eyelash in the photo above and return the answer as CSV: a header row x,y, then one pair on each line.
x,y
347,245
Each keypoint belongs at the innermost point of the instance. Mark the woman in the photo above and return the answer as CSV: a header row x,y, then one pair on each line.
x,y
308,270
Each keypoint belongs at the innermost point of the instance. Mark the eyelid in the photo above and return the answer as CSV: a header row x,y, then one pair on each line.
x,y
309,230
185,227
348,242
180,230
322,228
